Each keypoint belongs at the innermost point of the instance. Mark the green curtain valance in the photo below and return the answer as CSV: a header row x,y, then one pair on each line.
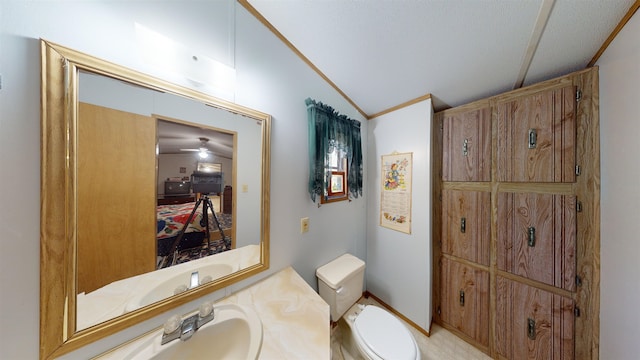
x,y
328,130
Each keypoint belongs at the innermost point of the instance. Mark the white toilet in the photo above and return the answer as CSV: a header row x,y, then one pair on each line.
x,y
378,334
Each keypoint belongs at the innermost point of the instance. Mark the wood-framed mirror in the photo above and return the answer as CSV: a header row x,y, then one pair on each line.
x,y
103,189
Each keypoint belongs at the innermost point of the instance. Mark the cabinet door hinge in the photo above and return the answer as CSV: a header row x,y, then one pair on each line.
x,y
578,280
576,311
578,95
578,170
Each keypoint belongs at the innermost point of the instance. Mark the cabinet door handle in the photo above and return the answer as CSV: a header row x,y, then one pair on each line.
x,y
532,236
465,147
463,225
461,297
531,329
533,138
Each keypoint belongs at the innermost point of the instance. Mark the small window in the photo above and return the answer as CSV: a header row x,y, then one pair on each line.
x,y
335,154
336,175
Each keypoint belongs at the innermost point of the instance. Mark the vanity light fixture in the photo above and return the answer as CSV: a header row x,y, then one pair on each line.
x,y
168,55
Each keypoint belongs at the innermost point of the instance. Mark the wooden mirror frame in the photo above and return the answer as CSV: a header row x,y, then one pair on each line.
x,y
58,201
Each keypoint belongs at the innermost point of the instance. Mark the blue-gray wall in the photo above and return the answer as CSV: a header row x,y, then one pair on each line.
x,y
270,78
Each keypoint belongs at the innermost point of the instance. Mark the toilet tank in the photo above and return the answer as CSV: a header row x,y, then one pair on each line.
x,y
340,283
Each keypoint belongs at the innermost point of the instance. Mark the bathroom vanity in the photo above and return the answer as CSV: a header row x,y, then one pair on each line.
x,y
295,319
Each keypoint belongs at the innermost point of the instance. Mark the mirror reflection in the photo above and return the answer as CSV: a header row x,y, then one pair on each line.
x,y
195,167
151,168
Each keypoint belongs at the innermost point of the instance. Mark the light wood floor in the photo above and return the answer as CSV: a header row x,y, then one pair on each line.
x,y
441,345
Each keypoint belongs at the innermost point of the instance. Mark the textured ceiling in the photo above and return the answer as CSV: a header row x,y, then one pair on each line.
x,y
383,53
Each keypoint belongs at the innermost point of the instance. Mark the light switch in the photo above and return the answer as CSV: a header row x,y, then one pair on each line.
x,y
245,188
304,225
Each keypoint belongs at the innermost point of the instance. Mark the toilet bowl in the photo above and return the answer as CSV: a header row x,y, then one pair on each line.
x,y
377,333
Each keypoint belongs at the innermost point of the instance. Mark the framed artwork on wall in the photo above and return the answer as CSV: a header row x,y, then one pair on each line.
x,y
337,186
395,194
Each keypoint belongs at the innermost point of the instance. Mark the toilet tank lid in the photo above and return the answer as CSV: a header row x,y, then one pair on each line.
x,y
339,270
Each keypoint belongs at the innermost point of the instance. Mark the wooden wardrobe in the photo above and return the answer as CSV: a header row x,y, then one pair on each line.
x,y
517,220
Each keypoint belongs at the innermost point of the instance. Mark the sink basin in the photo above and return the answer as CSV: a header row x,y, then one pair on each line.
x,y
234,333
166,288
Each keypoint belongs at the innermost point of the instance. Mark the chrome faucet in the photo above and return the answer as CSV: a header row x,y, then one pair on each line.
x,y
189,326
195,281
178,328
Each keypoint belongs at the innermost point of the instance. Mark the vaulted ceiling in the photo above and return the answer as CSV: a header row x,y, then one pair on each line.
x,y
384,53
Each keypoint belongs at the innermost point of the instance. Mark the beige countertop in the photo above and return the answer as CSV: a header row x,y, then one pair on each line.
x,y
295,319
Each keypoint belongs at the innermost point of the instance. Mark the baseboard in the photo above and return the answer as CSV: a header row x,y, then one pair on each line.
x,y
367,294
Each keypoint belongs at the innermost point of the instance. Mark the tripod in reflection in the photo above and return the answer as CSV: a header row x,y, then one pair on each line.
x,y
204,222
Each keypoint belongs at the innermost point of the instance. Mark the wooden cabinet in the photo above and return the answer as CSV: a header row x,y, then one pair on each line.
x,y
536,136
537,237
465,300
533,323
227,200
465,216
467,145
516,231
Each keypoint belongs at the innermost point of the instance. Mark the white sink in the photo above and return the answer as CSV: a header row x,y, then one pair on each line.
x,y
167,286
234,333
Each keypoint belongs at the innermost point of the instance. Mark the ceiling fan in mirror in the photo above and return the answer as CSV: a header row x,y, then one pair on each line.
x,y
203,151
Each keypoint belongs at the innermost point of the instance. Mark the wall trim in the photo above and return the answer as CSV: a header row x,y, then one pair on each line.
x,y
625,19
278,34
427,333
403,105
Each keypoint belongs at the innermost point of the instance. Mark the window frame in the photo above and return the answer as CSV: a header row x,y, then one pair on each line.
x,y
335,166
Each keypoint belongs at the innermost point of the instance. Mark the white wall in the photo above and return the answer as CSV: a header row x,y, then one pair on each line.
x,y
399,265
620,171
169,166
270,78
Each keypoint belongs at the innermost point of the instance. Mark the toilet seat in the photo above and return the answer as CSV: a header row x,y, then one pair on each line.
x,y
382,336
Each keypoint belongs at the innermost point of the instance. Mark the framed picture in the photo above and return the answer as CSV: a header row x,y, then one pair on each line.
x,y
209,167
337,187
395,194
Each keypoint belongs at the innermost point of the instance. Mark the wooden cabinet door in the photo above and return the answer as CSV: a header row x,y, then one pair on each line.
x,y
466,149
532,323
537,237
537,137
465,300
466,224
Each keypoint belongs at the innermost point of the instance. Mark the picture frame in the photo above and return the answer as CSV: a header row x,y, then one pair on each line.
x,y
337,186
208,167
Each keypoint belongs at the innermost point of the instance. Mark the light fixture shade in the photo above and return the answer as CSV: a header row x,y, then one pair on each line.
x,y
171,56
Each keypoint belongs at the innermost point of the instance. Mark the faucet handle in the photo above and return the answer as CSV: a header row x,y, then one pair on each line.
x,y
205,313
205,309
172,324
206,279
180,289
